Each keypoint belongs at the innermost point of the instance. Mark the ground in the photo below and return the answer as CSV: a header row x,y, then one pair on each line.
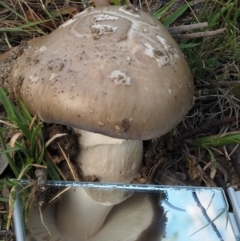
x,y
203,149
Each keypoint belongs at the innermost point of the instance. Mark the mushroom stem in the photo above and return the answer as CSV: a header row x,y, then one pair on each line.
x,y
84,216
109,159
138,218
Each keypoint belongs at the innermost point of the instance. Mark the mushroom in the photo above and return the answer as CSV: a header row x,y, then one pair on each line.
x,y
116,76
136,219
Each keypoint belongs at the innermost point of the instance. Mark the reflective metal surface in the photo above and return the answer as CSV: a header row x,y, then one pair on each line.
x,y
166,213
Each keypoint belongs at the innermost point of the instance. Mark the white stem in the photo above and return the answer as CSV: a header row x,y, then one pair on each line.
x,y
109,159
77,213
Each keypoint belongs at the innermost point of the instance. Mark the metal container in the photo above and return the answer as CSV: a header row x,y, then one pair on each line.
x,y
188,213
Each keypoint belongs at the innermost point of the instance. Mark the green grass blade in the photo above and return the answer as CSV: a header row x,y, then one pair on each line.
x,y
175,15
19,116
42,151
7,105
12,149
12,10
160,13
52,170
23,27
216,17
41,156
33,142
24,128
14,115
25,112
218,140
212,157
117,2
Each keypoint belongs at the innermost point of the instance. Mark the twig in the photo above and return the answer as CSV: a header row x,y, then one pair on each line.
x,y
205,128
186,28
200,170
73,172
42,221
53,138
59,194
225,84
200,34
41,175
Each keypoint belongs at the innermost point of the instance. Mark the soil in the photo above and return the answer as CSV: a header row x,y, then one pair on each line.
x,y
7,65
163,162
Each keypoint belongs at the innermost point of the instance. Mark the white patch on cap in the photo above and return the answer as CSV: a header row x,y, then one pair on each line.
x,y
172,52
131,11
98,29
102,17
160,57
120,78
164,54
101,29
41,49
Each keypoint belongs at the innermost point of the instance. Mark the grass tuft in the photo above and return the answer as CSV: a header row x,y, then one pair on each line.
x,y
26,147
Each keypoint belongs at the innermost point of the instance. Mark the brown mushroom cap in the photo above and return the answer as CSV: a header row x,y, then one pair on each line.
x,y
112,70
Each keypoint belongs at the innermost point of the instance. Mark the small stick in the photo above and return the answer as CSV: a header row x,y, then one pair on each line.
x,y
41,174
186,28
71,167
206,127
223,84
200,170
200,34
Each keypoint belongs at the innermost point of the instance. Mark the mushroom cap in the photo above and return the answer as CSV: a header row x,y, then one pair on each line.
x,y
112,70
